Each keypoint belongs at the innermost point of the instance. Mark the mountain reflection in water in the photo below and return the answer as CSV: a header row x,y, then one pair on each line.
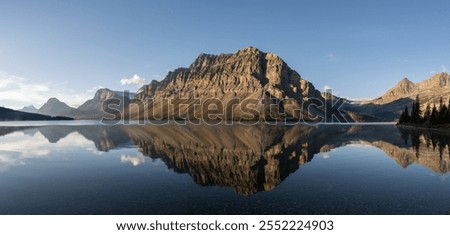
x,y
249,158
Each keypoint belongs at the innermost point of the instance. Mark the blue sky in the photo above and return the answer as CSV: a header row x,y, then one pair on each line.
x,y
69,49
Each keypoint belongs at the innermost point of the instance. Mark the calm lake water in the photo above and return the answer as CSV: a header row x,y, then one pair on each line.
x,y
85,168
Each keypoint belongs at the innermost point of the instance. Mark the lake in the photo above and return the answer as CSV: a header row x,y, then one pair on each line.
x,y
87,168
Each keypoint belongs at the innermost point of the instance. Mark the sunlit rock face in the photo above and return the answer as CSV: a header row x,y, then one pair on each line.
x,y
389,106
248,84
257,158
247,158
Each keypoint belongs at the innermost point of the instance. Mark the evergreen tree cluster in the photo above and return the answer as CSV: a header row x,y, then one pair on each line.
x,y
431,117
433,141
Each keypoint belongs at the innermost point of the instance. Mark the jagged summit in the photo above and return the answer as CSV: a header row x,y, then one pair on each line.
x,y
437,81
147,90
103,94
250,49
101,101
101,91
403,88
429,90
389,106
91,109
405,80
248,73
29,109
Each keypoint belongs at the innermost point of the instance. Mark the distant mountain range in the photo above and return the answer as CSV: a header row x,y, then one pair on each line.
x,y
55,107
429,90
103,100
246,85
389,106
29,109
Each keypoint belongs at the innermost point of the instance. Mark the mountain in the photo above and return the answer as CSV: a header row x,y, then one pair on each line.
x,y
255,158
389,106
104,100
247,85
104,103
29,109
13,115
54,107
248,158
147,90
429,91
404,88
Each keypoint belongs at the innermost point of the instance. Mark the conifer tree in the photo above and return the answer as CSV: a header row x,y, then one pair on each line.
x,y
442,113
434,119
404,117
415,112
427,115
447,114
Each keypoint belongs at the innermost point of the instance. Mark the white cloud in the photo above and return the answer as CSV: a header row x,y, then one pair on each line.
x,y
18,148
17,92
135,161
327,87
136,79
331,57
325,155
444,69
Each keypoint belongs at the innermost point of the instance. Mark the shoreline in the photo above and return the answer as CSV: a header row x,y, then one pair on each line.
x,y
180,122
445,128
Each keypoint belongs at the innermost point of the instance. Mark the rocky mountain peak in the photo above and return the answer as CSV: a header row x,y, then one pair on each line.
x,y
104,94
389,106
29,109
148,90
403,88
249,50
97,106
437,81
405,80
247,73
253,68
429,90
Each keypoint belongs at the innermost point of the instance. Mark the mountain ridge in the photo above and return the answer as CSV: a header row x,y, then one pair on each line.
x,y
261,78
248,84
390,105
55,107
439,82
29,109
105,101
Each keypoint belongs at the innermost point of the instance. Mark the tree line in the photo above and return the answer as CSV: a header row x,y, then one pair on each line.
x,y
429,117
433,140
